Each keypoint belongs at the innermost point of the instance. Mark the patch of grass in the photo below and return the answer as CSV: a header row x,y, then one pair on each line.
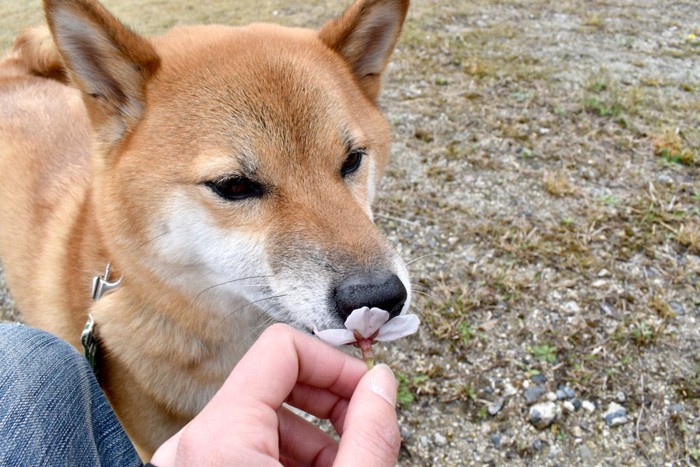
x,y
479,67
446,174
441,81
669,145
690,87
639,332
466,332
606,98
602,107
688,235
610,200
544,352
558,184
522,96
688,387
598,85
404,395
593,21
695,454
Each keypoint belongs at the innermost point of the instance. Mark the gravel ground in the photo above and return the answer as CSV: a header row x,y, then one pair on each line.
x,y
545,189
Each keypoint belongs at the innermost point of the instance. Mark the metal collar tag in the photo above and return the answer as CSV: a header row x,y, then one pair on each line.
x,y
101,284
89,338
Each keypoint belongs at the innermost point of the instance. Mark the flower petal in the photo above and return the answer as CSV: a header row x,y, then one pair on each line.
x,y
336,337
397,327
366,321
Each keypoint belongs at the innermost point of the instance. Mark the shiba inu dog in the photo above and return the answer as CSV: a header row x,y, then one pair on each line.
x,y
226,175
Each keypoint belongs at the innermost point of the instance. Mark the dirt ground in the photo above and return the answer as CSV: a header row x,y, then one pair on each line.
x,y
545,190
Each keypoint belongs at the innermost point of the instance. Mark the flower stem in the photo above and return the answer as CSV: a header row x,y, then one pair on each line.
x,y
365,346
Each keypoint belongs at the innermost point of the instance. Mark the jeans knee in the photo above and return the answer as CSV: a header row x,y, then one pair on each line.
x,y
34,351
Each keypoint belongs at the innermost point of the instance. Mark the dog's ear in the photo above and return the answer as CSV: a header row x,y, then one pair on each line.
x,y
107,61
365,36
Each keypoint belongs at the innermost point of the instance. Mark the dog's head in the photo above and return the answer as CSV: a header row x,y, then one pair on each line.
x,y
241,163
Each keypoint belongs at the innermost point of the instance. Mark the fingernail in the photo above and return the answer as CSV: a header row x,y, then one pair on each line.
x,y
383,383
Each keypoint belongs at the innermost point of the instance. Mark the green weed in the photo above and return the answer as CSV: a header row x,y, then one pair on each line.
x,y
544,352
404,395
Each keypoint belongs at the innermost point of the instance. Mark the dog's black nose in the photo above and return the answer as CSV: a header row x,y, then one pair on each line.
x,y
380,289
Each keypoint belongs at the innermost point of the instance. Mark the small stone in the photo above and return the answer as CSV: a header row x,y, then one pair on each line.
x,y
586,454
496,440
405,433
539,378
439,439
615,415
509,389
572,307
608,310
589,406
496,406
665,179
576,403
533,393
577,432
675,408
423,440
554,451
620,396
565,392
537,444
568,406
585,426
603,273
543,414
551,397
677,308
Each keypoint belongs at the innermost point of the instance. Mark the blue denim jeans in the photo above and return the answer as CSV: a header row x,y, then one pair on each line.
x,y
52,410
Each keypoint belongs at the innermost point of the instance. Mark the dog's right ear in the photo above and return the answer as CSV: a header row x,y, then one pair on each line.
x,y
107,61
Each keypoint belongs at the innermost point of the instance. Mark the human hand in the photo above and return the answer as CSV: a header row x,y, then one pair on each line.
x,y
246,424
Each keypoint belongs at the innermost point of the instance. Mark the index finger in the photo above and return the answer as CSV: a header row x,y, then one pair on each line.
x,y
283,357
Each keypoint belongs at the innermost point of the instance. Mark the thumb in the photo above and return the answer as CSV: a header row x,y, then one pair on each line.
x,y
371,430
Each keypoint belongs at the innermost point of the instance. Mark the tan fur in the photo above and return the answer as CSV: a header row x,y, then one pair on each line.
x,y
112,168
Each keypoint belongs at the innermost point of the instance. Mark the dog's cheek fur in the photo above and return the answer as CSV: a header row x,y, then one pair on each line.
x,y
217,267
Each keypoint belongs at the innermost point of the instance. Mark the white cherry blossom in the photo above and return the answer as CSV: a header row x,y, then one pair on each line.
x,y
366,325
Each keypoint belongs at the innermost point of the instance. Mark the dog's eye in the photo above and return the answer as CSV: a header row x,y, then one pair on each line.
x,y
237,188
352,162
